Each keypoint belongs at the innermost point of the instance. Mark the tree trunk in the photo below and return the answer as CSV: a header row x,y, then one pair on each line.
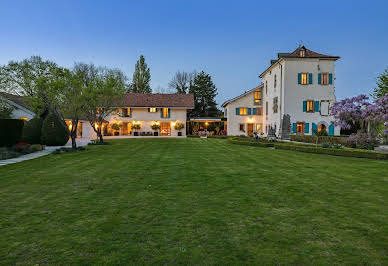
x,y
73,142
99,134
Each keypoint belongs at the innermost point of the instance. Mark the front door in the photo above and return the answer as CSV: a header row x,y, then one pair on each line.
x,y
165,129
250,130
125,129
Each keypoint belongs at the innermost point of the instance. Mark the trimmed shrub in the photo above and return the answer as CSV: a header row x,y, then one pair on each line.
x,y
193,136
53,133
32,131
333,151
251,143
322,139
11,131
218,137
36,147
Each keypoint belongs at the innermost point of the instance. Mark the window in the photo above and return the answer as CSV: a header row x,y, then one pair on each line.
x,y
165,113
259,127
257,96
259,111
300,127
226,112
302,53
165,129
324,78
125,112
274,81
266,108
304,78
243,110
275,105
242,127
152,110
310,106
266,88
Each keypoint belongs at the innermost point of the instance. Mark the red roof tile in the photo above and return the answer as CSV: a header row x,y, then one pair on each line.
x,y
157,100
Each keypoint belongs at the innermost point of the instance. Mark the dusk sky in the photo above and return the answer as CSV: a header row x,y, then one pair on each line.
x,y
233,41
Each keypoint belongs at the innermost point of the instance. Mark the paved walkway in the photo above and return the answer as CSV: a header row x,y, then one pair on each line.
x,y
48,150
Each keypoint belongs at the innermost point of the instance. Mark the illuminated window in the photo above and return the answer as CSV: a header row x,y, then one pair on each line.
x,y
310,106
275,105
302,53
243,111
304,78
152,110
300,127
258,96
165,113
126,112
23,118
324,78
259,127
242,127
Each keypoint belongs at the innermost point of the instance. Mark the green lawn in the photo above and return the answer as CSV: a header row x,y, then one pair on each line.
x,y
168,201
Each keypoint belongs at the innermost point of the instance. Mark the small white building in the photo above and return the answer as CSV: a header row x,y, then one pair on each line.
x,y
20,108
144,110
299,84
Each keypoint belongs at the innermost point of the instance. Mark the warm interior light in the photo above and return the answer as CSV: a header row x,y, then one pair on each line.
x,y
206,123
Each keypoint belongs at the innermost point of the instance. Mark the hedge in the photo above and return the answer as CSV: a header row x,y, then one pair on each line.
x,y
11,131
248,142
313,139
53,132
337,152
32,131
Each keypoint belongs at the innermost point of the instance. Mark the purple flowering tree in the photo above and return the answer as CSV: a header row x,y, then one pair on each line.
x,y
378,112
351,111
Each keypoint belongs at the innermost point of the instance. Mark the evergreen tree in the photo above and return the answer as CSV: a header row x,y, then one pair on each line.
x,y
141,77
382,85
204,92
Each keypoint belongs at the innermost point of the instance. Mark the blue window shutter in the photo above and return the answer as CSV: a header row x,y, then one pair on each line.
x,y
304,106
299,78
331,130
254,111
122,112
169,112
294,127
310,78
249,111
313,127
306,127
130,112
161,112
317,106
319,78
237,111
330,78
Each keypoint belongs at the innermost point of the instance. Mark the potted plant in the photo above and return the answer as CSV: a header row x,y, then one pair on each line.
x,y
155,127
116,127
136,127
179,126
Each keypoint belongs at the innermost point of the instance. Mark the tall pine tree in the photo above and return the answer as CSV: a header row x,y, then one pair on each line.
x,y
141,77
204,92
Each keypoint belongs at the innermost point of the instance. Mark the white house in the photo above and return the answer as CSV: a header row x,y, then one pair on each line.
x,y
144,110
20,108
299,84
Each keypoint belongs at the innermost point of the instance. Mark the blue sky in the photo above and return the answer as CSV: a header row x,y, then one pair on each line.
x,y
231,40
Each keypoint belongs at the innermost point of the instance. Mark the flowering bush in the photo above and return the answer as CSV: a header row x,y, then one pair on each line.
x,y
363,141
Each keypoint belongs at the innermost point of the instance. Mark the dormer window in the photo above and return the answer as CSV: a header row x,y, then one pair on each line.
x,y
301,53
257,97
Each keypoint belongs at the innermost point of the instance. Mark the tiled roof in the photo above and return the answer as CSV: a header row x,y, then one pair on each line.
x,y
157,100
296,54
307,54
15,98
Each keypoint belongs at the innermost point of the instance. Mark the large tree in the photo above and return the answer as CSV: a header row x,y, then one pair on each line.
x,y
382,85
204,92
181,81
141,77
104,91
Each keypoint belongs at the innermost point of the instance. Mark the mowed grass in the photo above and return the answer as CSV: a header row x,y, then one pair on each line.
x,y
193,201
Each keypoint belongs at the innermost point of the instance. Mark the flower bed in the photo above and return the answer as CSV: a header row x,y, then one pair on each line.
x,y
19,149
332,151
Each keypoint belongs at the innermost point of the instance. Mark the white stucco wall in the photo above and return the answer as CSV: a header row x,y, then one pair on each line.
x,y
295,94
145,118
234,121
